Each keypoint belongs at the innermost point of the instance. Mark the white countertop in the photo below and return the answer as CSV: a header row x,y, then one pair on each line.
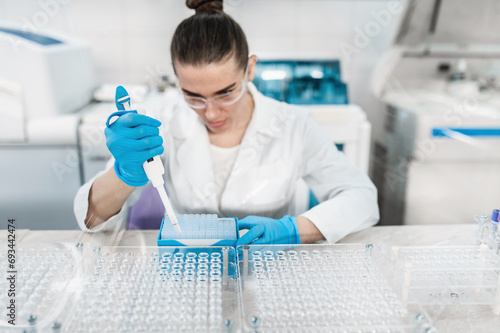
x,y
456,318
383,236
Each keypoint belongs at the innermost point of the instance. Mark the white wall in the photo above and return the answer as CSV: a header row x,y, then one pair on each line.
x,y
130,38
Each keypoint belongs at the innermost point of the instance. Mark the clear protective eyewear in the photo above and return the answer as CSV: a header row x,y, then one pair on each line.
x,y
221,100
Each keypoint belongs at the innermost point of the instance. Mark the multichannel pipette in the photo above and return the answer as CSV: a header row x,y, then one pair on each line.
x,y
153,167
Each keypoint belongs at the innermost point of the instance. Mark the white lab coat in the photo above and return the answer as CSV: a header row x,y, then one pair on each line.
x,y
282,144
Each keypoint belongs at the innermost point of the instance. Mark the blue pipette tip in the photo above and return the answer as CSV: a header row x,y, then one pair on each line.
x,y
121,96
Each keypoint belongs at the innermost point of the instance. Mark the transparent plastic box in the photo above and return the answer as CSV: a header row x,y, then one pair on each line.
x,y
44,277
323,288
157,289
459,286
300,288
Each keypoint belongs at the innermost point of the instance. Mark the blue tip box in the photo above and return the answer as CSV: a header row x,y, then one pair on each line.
x,y
199,230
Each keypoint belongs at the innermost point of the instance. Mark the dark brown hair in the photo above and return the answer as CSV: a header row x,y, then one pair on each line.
x,y
209,36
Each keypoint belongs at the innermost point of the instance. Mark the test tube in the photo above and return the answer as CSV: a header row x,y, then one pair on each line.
x,y
215,276
166,257
494,228
481,220
245,263
191,258
497,241
394,254
496,302
190,276
202,275
179,258
407,282
225,259
203,258
483,248
368,249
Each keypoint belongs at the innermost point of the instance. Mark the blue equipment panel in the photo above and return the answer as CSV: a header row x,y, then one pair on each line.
x,y
299,82
476,132
32,37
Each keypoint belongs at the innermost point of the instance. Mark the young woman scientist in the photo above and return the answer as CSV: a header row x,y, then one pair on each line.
x,y
229,150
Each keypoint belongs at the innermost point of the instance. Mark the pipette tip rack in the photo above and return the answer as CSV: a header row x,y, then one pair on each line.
x,y
199,230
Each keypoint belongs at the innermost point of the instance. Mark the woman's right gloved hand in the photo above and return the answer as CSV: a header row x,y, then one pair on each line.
x,y
133,139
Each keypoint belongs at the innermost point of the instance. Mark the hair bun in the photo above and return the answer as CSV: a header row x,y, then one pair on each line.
x,y
205,6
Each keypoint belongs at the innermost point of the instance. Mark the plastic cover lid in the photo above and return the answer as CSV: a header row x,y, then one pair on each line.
x,y
462,22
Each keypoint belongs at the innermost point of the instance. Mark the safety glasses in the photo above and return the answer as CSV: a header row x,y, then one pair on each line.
x,y
225,99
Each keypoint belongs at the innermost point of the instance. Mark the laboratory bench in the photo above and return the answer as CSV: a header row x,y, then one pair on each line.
x,y
403,283
382,236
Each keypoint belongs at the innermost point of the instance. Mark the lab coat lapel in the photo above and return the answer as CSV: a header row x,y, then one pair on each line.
x,y
266,125
193,157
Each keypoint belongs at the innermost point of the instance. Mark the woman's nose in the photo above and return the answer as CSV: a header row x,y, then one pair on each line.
x,y
211,112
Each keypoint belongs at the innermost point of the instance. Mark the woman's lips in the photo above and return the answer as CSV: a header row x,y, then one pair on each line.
x,y
216,124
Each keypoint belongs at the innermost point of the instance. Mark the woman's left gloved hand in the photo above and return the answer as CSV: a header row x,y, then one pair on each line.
x,y
264,230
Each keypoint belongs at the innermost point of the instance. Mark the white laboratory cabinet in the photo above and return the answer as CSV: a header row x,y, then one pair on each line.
x,y
437,159
45,79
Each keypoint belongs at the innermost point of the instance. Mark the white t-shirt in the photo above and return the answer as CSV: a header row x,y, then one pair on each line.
x,y
222,163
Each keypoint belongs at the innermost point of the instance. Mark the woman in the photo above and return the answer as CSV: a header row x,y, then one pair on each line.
x,y
238,154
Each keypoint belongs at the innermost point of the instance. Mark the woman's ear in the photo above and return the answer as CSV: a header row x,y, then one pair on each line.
x,y
252,61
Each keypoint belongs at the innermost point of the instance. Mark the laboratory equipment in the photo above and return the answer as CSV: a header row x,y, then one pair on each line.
x,y
458,284
44,80
322,288
92,142
318,86
41,75
73,288
70,287
38,279
157,290
302,82
435,158
199,230
488,233
493,230
153,167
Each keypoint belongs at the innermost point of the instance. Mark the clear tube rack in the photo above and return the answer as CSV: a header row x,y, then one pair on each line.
x,y
158,290
334,288
456,284
43,272
302,288
469,273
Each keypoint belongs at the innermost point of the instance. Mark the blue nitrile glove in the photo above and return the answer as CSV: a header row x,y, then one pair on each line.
x,y
133,139
269,231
